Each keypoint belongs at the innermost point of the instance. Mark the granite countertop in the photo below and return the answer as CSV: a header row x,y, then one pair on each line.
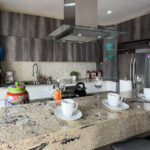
x,y
34,126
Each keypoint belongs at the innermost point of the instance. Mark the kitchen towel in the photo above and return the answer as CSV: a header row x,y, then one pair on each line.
x,y
125,85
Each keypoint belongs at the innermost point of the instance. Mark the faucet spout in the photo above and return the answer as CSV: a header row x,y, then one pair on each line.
x,y
35,72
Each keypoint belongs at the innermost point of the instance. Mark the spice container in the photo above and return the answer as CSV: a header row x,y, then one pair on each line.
x,y
99,74
93,74
88,75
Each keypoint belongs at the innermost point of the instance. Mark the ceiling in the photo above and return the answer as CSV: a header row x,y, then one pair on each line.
x,y
122,10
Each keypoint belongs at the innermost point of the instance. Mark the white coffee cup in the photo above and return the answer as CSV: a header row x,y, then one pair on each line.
x,y
147,93
114,99
68,107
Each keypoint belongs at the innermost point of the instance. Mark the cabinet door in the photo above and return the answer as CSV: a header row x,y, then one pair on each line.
x,y
47,25
99,49
48,50
10,23
136,29
129,28
79,52
30,25
88,52
28,49
12,47
38,27
63,51
145,27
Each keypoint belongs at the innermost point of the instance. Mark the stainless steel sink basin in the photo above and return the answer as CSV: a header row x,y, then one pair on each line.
x,y
38,82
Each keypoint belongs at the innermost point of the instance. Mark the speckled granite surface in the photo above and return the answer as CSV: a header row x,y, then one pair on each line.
x,y
34,126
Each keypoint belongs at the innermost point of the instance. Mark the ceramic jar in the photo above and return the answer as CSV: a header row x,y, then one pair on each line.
x,y
16,95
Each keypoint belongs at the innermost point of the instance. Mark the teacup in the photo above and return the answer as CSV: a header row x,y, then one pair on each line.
x,y
68,107
114,99
147,93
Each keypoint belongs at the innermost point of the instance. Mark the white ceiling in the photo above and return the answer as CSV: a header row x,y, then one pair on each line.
x,y
121,9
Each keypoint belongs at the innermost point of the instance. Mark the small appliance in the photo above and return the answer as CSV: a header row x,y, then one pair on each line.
x,y
9,77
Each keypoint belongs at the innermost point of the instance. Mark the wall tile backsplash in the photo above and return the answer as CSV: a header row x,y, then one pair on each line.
x,y
61,70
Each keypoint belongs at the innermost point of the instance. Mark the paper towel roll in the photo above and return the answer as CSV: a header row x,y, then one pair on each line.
x,y
127,94
125,85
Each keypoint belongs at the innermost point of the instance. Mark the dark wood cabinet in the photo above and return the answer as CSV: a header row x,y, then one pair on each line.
x,y
38,27
10,23
12,48
63,51
136,29
22,38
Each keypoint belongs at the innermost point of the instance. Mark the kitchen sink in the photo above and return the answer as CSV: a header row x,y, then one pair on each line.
x,y
38,82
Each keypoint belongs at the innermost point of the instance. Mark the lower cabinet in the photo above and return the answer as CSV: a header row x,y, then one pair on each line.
x,y
46,91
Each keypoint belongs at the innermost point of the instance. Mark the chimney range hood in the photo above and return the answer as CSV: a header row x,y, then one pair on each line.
x,y
80,23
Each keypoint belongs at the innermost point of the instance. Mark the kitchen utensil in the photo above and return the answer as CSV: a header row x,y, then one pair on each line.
x,y
80,89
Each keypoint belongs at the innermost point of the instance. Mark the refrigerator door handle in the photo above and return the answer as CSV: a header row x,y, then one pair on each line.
x,y
131,63
134,72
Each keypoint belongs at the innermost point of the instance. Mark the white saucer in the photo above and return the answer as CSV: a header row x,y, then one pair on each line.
x,y
76,115
122,106
142,96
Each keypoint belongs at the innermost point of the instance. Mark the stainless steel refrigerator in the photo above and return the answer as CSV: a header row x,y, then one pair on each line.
x,y
132,66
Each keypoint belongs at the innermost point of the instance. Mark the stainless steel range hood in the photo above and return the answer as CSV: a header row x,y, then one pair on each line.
x,y
80,23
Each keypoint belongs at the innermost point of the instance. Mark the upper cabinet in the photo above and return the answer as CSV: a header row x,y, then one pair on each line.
x,y
136,29
38,27
10,24
22,38
24,25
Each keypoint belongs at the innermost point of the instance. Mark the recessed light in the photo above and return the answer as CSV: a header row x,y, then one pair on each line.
x,y
109,12
99,36
79,34
63,41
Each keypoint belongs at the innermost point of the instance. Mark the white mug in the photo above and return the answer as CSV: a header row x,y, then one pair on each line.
x,y
147,93
114,99
68,107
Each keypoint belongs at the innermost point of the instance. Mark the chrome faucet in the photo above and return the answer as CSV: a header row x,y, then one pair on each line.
x,y
35,73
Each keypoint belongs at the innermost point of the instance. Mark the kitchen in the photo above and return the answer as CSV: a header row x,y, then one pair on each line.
x,y
93,55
